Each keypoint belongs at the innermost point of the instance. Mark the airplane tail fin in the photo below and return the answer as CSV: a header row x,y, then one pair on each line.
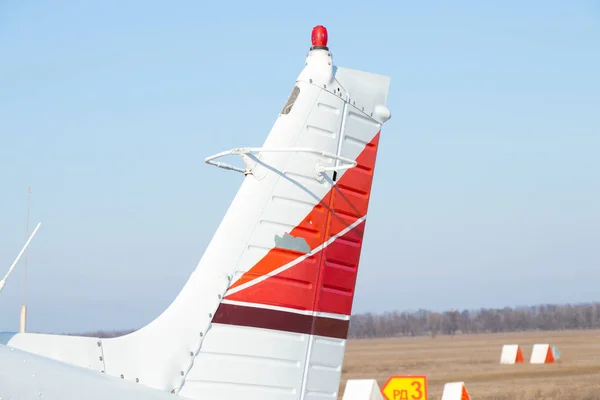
x,y
265,315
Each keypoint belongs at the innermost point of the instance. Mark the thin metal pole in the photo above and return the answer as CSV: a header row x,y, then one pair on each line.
x,y
26,251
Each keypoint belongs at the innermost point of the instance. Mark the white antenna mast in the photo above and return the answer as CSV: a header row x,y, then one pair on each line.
x,y
23,319
12,267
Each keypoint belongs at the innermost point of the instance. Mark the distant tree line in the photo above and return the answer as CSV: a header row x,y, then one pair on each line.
x,y
547,317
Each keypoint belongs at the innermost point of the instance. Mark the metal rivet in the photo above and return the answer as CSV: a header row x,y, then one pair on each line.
x,y
100,358
191,354
310,80
137,379
325,86
122,376
201,334
219,296
99,344
182,373
209,315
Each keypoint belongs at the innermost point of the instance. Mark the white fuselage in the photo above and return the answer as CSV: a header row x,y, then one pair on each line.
x,y
26,376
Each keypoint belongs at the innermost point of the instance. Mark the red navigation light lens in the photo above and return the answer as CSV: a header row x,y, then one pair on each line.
x,y
319,36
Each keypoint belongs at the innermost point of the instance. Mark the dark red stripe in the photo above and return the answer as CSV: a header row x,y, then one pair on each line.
x,y
231,314
330,327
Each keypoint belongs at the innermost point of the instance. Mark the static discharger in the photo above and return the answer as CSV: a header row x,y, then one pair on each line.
x,y
455,391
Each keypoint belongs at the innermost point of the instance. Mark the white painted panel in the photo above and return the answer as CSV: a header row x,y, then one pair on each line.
x,y
362,389
366,90
83,352
538,353
246,370
252,363
328,351
509,353
453,391
228,391
248,341
324,368
27,376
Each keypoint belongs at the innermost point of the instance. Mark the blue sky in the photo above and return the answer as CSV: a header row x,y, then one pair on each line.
x,y
487,190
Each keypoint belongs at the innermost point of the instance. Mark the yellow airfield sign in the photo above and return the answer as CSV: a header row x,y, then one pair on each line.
x,y
405,388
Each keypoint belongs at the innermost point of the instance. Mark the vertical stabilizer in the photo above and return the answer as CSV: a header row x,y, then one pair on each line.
x,y
265,315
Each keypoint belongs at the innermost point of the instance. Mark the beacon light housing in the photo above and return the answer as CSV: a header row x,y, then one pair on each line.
x,y
319,37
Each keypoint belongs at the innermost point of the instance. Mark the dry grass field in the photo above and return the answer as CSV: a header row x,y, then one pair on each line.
x,y
475,359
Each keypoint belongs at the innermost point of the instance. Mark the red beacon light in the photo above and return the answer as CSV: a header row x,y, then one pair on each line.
x,y
319,38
